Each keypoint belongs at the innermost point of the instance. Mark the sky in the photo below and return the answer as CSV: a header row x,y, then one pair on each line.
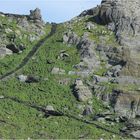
x,y
52,10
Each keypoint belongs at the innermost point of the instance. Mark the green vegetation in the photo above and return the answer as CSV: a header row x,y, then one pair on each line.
x,y
101,71
18,119
109,87
129,87
21,37
99,34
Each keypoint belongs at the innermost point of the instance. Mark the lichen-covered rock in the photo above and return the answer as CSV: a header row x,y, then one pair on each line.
x,y
97,79
128,80
86,48
23,22
114,71
125,20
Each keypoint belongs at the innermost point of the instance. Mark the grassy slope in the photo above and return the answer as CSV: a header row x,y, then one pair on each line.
x,y
22,121
11,61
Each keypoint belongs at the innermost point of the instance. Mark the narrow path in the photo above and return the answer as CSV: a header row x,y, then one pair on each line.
x,y
31,53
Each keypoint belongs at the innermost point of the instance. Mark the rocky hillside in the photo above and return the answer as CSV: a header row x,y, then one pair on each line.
x,y
17,31
75,80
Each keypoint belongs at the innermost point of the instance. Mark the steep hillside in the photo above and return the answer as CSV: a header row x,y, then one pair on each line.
x,y
75,80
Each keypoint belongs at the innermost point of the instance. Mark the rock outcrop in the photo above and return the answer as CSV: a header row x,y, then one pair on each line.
x,y
82,91
126,104
90,12
86,47
136,134
122,17
35,14
13,48
87,53
28,79
124,14
71,38
4,51
58,71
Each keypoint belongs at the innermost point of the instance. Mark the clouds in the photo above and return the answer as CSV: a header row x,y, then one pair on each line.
x,y
52,10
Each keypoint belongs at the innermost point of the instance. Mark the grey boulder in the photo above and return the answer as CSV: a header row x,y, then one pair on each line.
x,y
81,91
71,38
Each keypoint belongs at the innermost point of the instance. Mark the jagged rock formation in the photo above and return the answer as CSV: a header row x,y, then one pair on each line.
x,y
124,14
35,14
93,11
86,47
122,17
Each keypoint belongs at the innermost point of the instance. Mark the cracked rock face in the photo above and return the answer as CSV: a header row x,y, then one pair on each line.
x,y
119,15
123,13
122,16
120,8
126,104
